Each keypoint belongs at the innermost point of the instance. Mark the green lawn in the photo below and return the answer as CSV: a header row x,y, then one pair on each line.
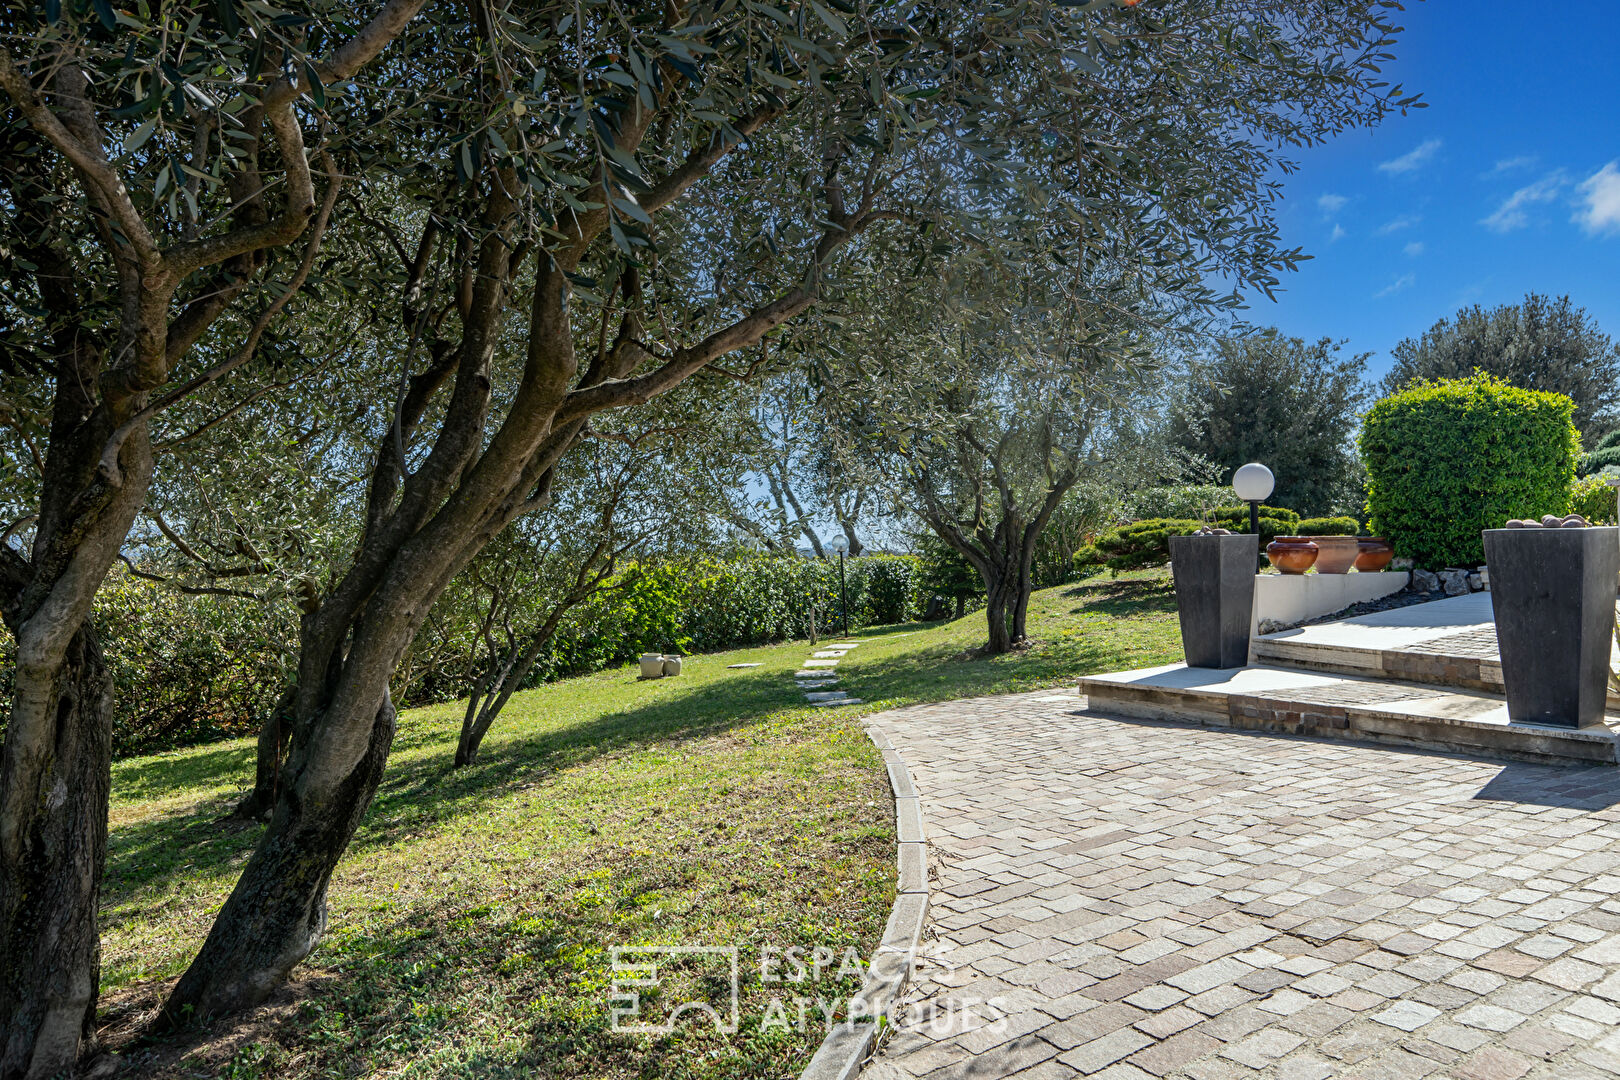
x,y
472,920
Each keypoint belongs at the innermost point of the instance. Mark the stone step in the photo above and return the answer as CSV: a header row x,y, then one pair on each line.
x,y
1434,664
1296,702
1465,660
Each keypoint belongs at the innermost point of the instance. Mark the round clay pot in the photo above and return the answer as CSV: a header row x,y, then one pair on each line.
x,y
1335,554
1292,554
1376,552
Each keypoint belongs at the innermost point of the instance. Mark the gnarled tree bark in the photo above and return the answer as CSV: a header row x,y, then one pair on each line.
x,y
97,468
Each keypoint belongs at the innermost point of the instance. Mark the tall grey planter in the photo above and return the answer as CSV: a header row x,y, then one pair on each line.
x,y
1215,596
1552,596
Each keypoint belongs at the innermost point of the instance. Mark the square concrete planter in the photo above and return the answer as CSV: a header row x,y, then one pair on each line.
x,y
1215,596
1552,595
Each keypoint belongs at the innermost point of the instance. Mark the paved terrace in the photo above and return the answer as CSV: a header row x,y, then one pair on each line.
x,y
1148,900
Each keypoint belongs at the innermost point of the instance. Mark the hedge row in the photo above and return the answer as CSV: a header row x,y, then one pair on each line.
x,y
191,669
1328,526
729,603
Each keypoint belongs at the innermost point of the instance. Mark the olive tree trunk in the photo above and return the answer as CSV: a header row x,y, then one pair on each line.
x,y
422,528
277,912
76,215
50,882
274,736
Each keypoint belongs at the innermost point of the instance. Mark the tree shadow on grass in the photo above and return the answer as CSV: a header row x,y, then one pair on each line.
x,y
533,968
1125,596
170,774
421,790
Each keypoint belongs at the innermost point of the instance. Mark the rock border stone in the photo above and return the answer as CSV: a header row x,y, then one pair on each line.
x,y
845,1049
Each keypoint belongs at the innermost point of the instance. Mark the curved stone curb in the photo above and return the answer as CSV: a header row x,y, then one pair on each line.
x,y
844,1050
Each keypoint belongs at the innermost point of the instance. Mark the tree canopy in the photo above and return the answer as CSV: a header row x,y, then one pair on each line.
x,y
504,222
1540,343
1287,403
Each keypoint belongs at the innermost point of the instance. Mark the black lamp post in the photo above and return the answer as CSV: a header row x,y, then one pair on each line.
x,y
840,545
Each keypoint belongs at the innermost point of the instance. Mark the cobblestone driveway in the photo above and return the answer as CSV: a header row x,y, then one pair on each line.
x,y
1146,900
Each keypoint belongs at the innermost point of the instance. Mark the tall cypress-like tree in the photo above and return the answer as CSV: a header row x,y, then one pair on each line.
x,y
1287,403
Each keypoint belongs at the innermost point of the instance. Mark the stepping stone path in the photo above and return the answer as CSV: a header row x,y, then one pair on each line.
x,y
816,676
1136,900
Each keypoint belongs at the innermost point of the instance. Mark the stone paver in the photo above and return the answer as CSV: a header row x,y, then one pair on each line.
x,y
815,681
1143,900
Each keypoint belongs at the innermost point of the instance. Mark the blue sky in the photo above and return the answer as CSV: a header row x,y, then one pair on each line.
x,y
1508,182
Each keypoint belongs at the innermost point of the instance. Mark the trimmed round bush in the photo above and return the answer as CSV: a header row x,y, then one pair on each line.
x,y
1142,544
1135,546
1275,521
1328,526
1449,458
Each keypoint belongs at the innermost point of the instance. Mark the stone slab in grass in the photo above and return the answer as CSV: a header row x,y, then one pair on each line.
x,y
836,704
825,653
820,663
731,667
826,695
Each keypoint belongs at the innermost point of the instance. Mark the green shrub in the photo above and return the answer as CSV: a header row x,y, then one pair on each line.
x,y
1447,459
1328,526
889,589
1593,499
1599,459
728,603
1180,501
1142,544
944,573
1135,546
185,669
1274,522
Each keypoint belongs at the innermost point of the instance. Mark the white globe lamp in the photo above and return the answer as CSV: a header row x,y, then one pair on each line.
x,y
1253,484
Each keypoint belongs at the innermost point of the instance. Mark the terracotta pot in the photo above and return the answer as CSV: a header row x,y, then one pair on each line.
x,y
1335,554
1292,554
1376,553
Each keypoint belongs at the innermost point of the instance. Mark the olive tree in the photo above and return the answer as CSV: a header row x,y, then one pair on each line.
x,y
632,495
163,181
617,197
992,408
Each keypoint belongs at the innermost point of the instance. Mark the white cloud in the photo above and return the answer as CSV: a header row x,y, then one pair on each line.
x,y
1331,204
1513,164
1405,281
1600,201
1338,233
1413,159
1511,214
1405,221
1414,249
